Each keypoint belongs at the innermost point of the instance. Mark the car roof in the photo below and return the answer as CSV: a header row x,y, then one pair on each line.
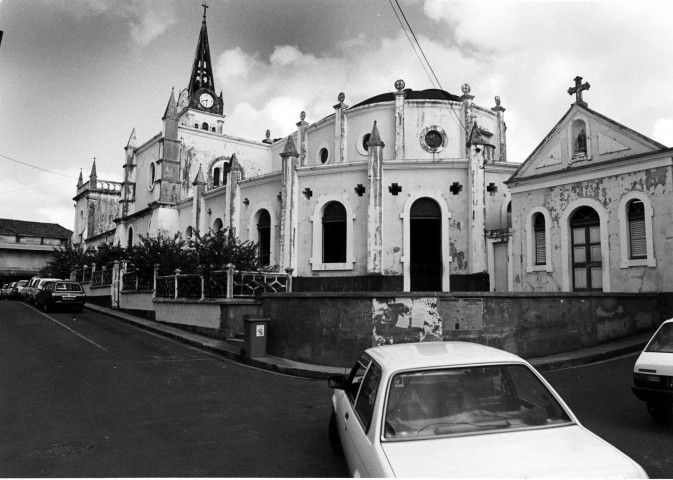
x,y
405,356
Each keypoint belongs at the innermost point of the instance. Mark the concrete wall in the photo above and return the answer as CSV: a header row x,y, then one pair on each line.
x,y
331,329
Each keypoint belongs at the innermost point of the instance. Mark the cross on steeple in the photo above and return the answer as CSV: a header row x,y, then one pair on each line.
x,y
204,10
577,89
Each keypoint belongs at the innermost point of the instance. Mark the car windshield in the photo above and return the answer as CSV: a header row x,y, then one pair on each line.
x,y
454,401
68,287
662,340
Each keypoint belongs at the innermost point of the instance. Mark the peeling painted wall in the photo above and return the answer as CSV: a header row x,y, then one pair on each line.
x,y
608,191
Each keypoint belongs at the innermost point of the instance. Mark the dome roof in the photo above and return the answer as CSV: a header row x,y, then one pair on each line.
x,y
429,94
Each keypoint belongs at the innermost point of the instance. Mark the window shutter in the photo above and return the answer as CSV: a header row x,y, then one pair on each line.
x,y
638,239
540,248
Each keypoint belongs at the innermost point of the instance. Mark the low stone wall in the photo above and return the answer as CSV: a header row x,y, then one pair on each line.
x,y
220,319
332,328
101,296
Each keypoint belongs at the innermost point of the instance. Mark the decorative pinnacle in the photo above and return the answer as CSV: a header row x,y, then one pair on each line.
x,y
465,88
399,85
341,97
302,116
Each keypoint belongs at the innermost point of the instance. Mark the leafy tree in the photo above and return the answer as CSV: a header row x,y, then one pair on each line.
x,y
216,249
169,253
106,254
65,259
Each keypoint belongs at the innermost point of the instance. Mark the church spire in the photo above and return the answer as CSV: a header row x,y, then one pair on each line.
x,y
202,70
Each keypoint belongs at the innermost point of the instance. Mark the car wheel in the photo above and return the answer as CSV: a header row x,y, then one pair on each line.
x,y
334,440
660,411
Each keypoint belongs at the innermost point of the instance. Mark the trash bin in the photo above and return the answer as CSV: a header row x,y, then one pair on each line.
x,y
254,336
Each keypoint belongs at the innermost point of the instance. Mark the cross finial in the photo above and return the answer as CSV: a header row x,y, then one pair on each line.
x,y
204,5
577,89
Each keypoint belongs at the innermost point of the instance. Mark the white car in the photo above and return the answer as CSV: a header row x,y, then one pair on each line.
x,y
457,409
653,373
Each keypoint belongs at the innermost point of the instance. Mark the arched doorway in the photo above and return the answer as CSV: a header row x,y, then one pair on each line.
x,y
264,237
425,246
587,261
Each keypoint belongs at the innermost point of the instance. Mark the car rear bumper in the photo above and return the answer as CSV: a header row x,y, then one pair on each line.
x,y
652,394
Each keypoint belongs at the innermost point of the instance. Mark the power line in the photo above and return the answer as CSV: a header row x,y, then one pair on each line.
x,y
416,44
35,188
413,46
34,166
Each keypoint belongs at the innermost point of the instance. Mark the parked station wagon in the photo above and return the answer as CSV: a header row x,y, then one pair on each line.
x,y
62,293
457,409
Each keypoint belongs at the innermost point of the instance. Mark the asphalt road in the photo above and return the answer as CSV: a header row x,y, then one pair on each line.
x,y
83,395
600,395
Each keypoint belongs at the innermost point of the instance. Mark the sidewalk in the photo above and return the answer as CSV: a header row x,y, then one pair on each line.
x,y
233,351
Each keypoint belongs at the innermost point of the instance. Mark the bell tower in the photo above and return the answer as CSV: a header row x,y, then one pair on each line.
x,y
200,94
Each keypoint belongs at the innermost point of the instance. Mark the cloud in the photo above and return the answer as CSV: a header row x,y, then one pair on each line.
x,y
663,131
146,21
148,24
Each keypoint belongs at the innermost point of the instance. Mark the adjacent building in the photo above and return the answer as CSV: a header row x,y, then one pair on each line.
x,y
592,208
27,247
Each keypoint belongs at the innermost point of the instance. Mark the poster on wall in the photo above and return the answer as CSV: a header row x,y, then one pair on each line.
x,y
405,320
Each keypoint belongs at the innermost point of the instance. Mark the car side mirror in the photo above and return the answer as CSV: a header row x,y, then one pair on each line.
x,y
337,381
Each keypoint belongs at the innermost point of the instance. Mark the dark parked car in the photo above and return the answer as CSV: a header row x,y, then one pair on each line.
x,y
61,293
6,289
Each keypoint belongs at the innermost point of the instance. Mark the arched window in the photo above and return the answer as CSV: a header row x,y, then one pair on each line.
x,y
129,241
264,237
212,129
189,232
509,215
153,172
204,126
216,177
217,225
196,125
334,233
539,228
637,232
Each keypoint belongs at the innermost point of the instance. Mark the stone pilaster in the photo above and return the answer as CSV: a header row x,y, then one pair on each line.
x,y
199,184
375,209
301,138
234,195
502,130
400,95
288,210
476,202
340,130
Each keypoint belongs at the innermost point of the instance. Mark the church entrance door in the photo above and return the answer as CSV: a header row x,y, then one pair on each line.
x,y
586,250
425,246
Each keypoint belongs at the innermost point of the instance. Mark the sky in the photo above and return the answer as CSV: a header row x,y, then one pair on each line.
x,y
77,76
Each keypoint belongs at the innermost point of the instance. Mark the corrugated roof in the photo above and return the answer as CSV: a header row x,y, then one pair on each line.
x,y
33,229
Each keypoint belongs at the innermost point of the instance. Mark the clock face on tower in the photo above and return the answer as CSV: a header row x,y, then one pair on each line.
x,y
206,100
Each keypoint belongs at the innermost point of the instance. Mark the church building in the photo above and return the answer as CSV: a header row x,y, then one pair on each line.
x,y
403,191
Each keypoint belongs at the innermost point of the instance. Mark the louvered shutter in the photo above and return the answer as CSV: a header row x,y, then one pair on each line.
x,y
540,248
638,238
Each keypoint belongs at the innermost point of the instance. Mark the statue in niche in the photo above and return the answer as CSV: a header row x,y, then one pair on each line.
x,y
581,143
